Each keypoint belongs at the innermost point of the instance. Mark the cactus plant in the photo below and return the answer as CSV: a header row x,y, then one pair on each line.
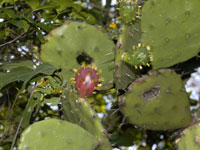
x,y
138,57
171,28
164,34
157,102
128,10
124,73
76,40
190,138
54,134
78,111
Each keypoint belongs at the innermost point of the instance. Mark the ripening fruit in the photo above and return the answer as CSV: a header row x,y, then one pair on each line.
x,y
86,81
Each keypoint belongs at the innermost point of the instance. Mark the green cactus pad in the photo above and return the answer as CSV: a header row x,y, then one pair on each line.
x,y
190,138
128,11
157,102
125,73
172,29
139,56
73,39
54,134
78,111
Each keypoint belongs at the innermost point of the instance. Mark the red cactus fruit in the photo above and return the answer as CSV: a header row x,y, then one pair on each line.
x,y
86,81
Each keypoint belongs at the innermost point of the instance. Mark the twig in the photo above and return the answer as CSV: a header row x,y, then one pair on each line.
x,y
99,7
18,37
15,137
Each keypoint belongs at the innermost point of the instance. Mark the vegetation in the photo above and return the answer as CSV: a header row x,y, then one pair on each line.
x,y
75,74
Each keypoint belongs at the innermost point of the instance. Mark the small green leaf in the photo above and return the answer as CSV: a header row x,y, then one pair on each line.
x,y
53,100
11,65
42,69
45,27
40,36
22,24
28,112
16,74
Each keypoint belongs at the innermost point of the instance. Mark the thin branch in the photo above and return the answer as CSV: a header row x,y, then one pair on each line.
x,y
18,37
15,137
99,7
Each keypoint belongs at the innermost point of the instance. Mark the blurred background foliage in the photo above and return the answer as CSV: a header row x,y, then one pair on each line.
x,y
23,25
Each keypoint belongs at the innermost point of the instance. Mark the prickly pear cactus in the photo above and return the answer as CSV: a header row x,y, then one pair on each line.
x,y
128,10
54,134
76,42
157,102
171,28
86,81
78,111
124,73
190,138
138,57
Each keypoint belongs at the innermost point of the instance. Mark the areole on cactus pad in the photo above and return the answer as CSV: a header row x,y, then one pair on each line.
x,y
87,80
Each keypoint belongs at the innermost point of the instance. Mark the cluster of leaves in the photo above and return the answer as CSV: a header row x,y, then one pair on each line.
x,y
24,23
24,93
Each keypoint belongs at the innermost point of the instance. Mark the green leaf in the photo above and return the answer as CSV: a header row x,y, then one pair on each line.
x,y
7,1
2,24
11,65
42,69
38,4
53,100
28,111
64,4
10,13
45,27
16,74
22,24
34,4
40,36
24,74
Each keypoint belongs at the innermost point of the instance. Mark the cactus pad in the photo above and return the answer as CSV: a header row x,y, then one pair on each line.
x,y
157,102
128,11
78,111
190,138
172,29
54,134
125,73
73,43
139,56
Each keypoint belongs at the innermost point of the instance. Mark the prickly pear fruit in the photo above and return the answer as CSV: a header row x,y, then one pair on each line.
x,y
86,81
